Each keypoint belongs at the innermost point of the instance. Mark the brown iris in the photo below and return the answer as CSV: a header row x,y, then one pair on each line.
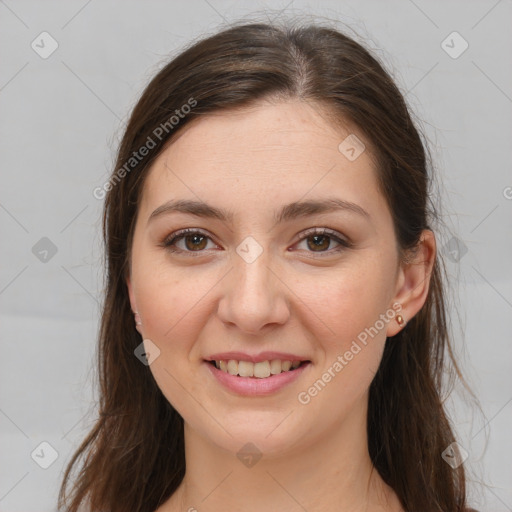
x,y
199,242
320,246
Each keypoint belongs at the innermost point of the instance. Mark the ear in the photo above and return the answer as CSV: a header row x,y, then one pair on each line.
x,y
413,280
133,303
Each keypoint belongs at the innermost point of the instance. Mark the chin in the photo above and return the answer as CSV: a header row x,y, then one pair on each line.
x,y
268,436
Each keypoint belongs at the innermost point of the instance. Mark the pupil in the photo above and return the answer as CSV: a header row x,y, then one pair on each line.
x,y
324,238
195,239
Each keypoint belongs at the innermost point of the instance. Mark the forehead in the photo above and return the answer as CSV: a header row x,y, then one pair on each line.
x,y
272,152
271,127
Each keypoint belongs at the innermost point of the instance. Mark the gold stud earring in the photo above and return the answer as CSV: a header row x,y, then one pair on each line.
x,y
400,320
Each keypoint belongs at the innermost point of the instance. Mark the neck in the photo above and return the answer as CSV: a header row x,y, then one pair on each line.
x,y
333,473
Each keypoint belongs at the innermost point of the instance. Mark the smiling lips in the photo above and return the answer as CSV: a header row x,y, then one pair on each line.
x,y
259,366
260,370
243,377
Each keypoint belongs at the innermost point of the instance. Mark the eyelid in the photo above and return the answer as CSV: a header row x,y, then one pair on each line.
x,y
182,233
338,237
325,231
342,240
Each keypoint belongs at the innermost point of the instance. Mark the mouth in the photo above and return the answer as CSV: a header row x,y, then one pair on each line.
x,y
259,370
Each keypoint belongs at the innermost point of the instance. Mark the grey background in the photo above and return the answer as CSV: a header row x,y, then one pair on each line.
x,y
62,116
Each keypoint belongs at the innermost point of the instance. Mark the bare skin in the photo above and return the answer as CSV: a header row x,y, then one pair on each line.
x,y
296,296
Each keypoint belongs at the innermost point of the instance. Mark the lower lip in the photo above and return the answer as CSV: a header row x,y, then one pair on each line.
x,y
254,386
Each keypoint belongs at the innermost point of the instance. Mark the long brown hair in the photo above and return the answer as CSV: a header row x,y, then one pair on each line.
x,y
133,459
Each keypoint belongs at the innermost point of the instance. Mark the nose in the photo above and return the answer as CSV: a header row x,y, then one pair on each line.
x,y
254,296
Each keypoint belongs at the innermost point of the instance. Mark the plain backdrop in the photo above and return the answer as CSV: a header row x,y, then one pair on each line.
x,y
62,114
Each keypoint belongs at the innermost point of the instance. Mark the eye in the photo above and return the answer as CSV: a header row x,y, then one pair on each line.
x,y
319,240
193,241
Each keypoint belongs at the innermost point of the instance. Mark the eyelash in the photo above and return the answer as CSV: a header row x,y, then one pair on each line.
x,y
169,242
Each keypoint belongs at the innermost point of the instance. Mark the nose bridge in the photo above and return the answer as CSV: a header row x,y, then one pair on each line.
x,y
254,278
253,296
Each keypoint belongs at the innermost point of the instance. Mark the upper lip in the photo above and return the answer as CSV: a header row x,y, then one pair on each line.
x,y
256,358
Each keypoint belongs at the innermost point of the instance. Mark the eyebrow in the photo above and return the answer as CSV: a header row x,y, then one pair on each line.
x,y
286,213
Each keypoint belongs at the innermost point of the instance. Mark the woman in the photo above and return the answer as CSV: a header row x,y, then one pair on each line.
x,y
274,327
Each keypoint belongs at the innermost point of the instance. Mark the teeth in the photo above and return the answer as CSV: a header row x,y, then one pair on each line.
x,y
232,367
245,369
260,370
275,366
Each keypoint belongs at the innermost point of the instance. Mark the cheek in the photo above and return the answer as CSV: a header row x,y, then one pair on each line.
x,y
347,302
174,306
170,302
351,315
349,310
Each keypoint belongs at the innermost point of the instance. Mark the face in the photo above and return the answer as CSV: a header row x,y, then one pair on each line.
x,y
261,276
